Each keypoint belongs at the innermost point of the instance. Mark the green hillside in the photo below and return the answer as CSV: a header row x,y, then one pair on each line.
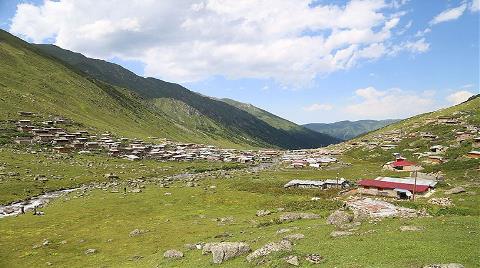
x,y
35,82
346,130
411,144
236,122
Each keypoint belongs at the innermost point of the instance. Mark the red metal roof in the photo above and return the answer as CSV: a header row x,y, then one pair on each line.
x,y
393,185
402,163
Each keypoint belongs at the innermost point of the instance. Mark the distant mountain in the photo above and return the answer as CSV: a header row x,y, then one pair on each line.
x,y
49,80
347,130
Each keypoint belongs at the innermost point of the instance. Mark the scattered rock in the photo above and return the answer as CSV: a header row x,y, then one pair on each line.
x,y
136,190
447,265
376,208
293,237
441,201
283,245
261,213
339,217
293,260
340,233
314,258
173,254
90,251
225,250
455,190
292,216
408,228
136,232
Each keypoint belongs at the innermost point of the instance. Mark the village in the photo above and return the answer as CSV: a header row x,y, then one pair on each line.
x,y
51,135
406,172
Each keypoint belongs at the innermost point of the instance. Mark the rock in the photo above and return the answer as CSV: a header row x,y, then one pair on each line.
x,y
90,251
455,190
261,213
136,190
190,246
314,258
408,228
284,230
283,245
136,232
339,217
441,201
447,265
173,254
293,260
292,216
225,250
293,237
340,233
46,242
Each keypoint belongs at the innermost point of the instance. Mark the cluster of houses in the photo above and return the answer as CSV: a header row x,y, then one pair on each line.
x,y
309,158
389,140
61,141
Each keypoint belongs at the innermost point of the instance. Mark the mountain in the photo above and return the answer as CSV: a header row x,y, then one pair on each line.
x,y
347,130
104,96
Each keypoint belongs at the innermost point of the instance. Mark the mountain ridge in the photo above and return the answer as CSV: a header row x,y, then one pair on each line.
x,y
169,108
347,129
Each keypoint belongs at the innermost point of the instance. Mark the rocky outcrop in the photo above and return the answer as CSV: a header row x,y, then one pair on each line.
x,y
292,216
283,245
225,250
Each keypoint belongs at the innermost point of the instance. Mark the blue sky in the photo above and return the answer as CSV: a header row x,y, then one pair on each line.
x,y
320,61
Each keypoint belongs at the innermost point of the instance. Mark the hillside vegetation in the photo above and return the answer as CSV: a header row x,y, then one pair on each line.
x,y
237,124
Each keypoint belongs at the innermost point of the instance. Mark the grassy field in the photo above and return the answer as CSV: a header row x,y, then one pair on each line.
x,y
172,217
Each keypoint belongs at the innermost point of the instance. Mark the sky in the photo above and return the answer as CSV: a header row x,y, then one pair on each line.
x,y
304,60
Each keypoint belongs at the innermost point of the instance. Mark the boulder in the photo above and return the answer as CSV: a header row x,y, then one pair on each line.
x,y
173,254
136,232
314,258
225,250
339,217
261,213
283,245
292,216
293,237
90,251
340,233
455,190
293,260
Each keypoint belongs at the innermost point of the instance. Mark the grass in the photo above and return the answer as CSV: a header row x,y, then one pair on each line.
x,y
103,220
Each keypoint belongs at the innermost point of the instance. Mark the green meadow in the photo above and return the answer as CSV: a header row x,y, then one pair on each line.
x,y
218,209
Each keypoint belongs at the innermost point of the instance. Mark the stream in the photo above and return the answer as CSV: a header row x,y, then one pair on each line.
x,y
29,204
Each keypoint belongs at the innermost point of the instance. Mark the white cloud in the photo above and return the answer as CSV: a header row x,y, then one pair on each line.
x,y
288,41
459,97
474,6
418,46
318,107
422,33
392,103
449,14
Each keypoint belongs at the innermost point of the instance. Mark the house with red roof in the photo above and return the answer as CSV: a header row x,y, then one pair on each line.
x,y
395,187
